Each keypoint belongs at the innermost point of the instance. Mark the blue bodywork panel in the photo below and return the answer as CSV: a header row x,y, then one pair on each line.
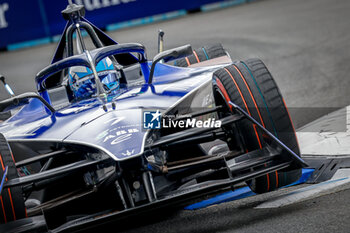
x,y
118,131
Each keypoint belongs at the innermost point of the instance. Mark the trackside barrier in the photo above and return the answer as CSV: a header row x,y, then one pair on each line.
x,y
26,23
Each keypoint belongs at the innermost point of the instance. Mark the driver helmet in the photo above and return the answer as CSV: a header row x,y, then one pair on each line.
x,y
82,82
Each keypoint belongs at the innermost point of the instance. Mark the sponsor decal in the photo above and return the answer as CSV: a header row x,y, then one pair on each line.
x,y
3,9
115,120
128,153
115,137
120,138
91,5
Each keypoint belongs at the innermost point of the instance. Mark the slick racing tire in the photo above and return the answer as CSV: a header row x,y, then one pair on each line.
x,y
202,54
11,199
250,85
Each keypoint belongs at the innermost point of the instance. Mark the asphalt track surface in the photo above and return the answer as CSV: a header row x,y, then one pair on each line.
x,y
327,214
305,44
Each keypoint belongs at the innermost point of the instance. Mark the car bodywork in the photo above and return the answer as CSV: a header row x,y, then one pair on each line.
x,y
73,124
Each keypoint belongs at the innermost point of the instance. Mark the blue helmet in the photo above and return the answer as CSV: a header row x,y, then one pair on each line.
x,y
82,82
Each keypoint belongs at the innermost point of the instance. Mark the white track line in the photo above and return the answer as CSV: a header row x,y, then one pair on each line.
x,y
326,143
307,193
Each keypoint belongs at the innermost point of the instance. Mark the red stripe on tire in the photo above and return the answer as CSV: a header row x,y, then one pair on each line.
x,y
224,92
3,209
195,54
12,206
239,90
2,202
2,163
251,94
188,61
13,158
257,135
262,122
240,93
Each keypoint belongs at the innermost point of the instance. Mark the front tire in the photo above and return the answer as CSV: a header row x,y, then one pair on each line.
x,y
202,54
11,199
250,85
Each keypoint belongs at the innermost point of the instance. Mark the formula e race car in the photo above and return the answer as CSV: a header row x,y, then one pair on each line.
x,y
110,134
